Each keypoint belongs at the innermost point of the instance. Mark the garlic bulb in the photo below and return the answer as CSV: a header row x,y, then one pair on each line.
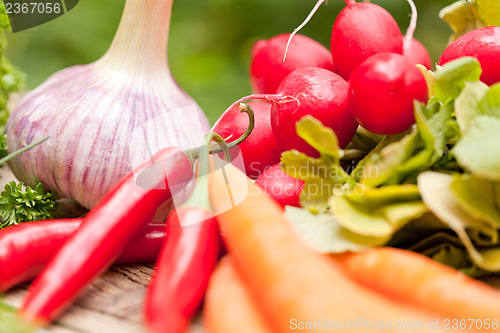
x,y
105,117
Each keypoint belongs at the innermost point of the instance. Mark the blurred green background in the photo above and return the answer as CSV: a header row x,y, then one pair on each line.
x,y
209,43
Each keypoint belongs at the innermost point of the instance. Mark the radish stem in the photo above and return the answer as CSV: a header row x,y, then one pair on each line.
x,y
276,98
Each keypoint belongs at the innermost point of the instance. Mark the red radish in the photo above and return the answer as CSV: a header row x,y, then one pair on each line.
x,y
319,93
360,31
482,44
382,90
308,91
260,150
267,68
280,186
417,54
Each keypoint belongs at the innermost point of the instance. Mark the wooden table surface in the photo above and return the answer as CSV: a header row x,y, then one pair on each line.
x,y
111,304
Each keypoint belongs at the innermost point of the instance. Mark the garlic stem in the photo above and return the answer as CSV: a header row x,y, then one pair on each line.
x,y
140,43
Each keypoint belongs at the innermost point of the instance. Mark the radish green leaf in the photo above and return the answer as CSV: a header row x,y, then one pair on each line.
x,y
462,17
466,104
323,233
488,11
478,151
450,79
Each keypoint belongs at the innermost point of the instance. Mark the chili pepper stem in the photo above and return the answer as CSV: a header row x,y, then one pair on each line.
x,y
193,154
199,197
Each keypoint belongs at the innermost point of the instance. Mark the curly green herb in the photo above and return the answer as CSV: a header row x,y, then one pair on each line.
x,y
22,205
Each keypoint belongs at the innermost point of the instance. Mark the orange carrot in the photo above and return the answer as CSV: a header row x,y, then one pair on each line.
x,y
296,288
228,304
413,278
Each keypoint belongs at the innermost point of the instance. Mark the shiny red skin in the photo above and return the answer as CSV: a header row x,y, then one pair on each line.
x,y
184,267
360,31
417,54
260,150
482,44
26,248
119,216
146,247
280,186
382,91
321,94
267,68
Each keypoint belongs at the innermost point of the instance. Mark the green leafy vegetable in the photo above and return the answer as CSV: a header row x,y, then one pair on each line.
x,y
361,219
466,15
450,79
324,234
321,138
398,161
489,104
480,198
381,165
442,200
430,78
377,212
32,204
488,11
457,258
466,104
321,175
479,151
462,17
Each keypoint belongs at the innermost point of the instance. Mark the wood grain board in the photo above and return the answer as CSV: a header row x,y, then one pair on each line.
x,y
111,304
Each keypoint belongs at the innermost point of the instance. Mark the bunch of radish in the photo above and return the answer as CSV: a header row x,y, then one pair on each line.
x,y
368,77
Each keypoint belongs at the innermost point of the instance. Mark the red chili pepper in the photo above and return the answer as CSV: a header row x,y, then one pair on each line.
x,y
187,259
123,212
183,270
146,247
26,248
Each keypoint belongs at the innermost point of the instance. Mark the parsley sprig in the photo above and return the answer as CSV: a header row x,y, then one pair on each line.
x,y
22,205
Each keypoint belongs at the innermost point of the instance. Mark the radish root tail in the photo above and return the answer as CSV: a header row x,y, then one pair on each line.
x,y
308,18
411,28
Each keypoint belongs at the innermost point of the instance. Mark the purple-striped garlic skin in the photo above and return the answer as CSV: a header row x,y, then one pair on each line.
x,y
99,129
106,117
